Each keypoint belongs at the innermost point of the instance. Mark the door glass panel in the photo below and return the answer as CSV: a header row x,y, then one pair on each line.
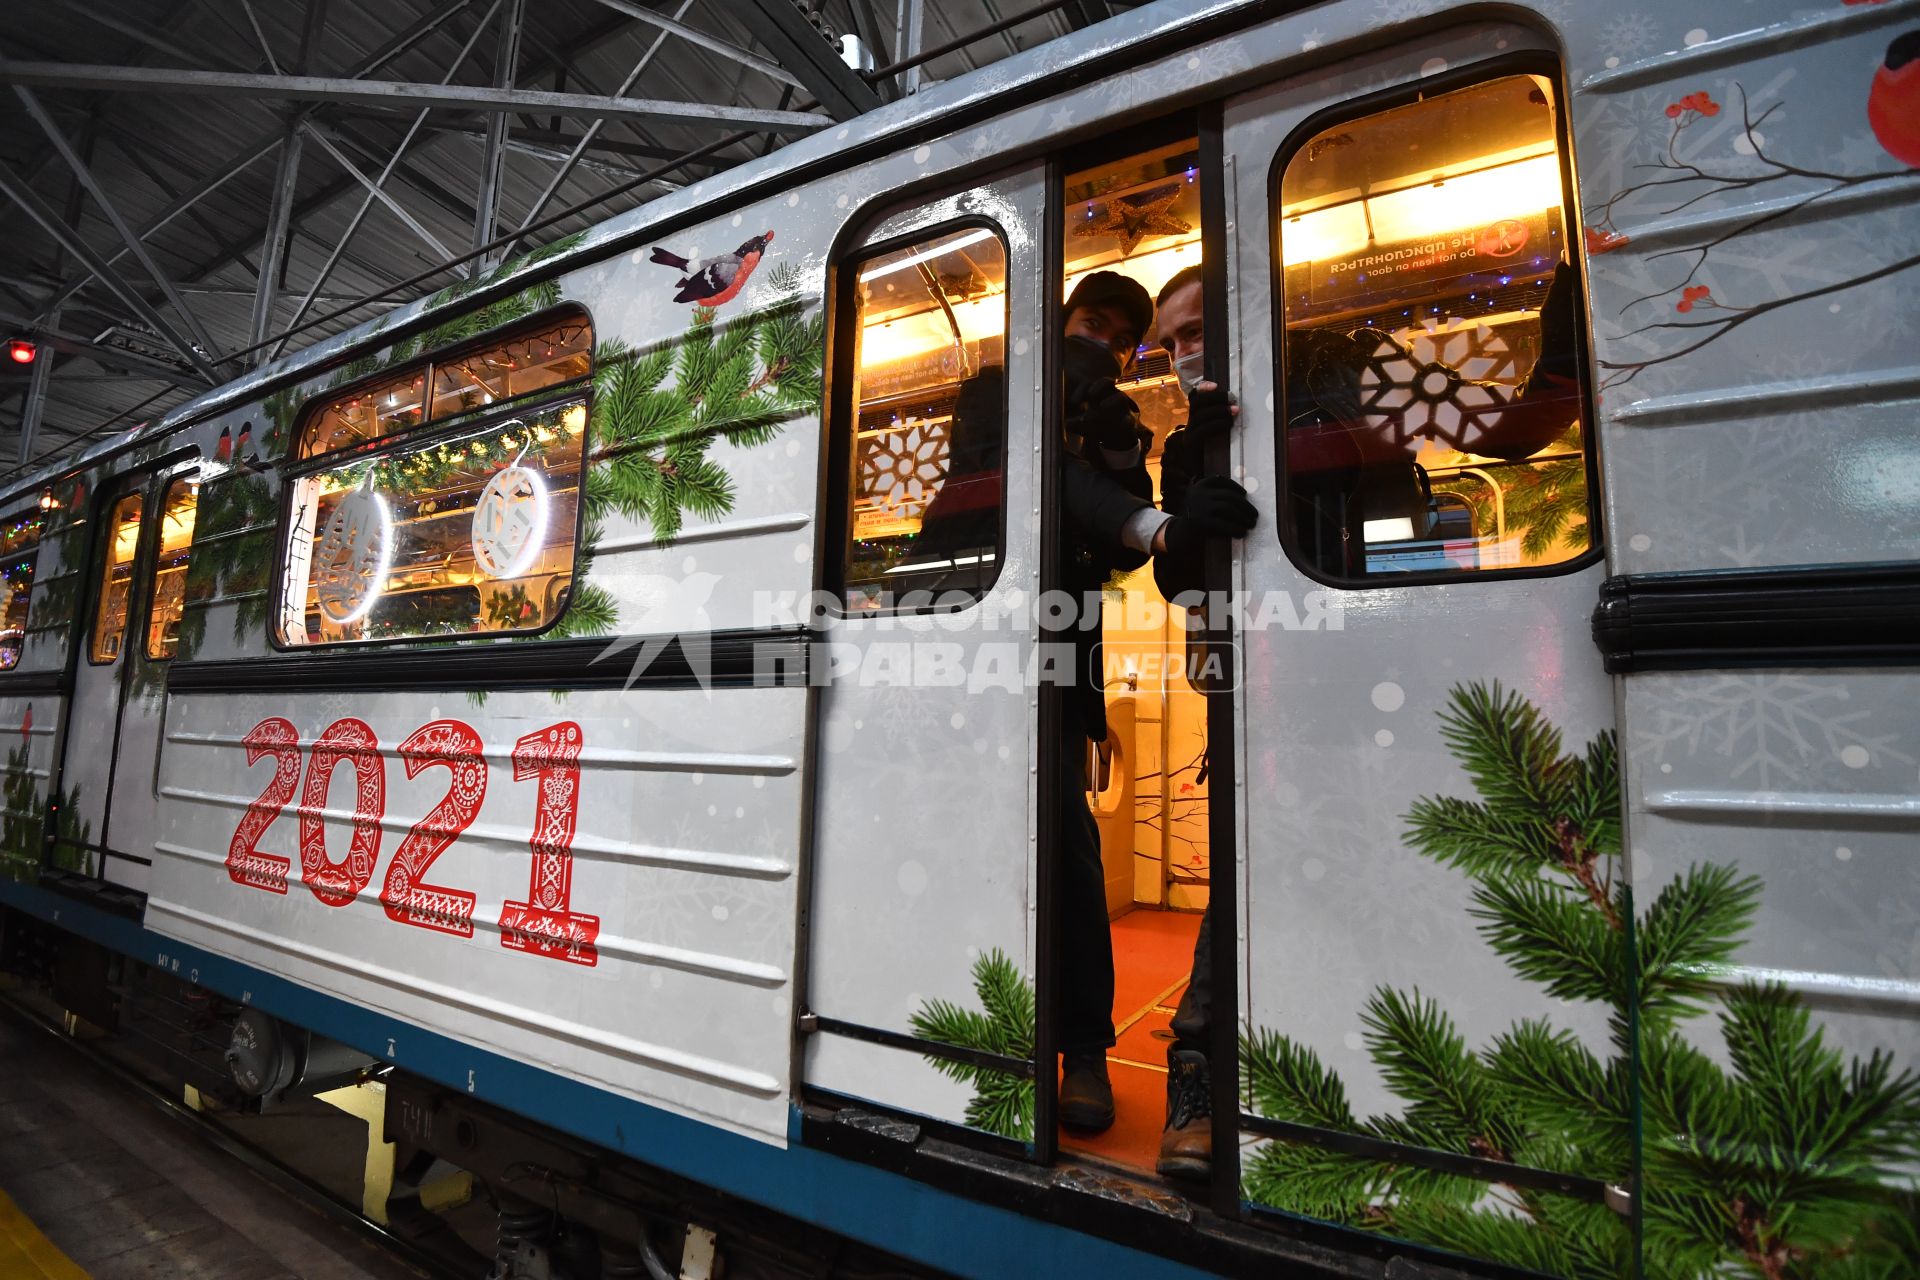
x,y
1430,359
116,578
19,549
177,511
929,449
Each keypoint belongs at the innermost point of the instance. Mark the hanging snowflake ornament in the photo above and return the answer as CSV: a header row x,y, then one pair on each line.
x,y
350,562
902,469
1446,380
510,522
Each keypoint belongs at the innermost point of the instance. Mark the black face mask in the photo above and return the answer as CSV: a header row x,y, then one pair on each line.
x,y
1087,361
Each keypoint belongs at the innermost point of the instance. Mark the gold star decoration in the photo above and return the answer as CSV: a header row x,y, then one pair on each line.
x,y
1134,218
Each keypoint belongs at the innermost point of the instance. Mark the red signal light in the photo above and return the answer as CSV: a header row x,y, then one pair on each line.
x,y
20,351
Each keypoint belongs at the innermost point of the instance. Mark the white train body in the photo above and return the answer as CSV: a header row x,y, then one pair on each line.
x,y
619,875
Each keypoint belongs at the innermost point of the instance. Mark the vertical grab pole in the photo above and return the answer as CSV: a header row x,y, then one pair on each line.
x,y
1046,1037
1223,1052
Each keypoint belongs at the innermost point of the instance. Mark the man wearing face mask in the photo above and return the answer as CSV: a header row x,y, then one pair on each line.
x,y
1218,504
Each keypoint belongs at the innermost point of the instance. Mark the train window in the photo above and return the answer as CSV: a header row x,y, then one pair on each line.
x,y
929,419
504,371
177,510
491,506
369,413
116,578
1431,368
19,548
465,526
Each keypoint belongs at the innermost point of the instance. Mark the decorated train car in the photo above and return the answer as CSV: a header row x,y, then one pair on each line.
x,y
610,700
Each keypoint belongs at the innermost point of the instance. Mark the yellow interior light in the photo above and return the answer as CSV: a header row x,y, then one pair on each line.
x,y
1449,204
928,331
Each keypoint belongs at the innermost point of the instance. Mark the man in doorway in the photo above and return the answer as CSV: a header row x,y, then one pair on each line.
x,y
1110,526
1186,1143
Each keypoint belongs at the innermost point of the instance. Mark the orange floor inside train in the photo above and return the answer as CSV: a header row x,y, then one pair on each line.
x,y
1152,954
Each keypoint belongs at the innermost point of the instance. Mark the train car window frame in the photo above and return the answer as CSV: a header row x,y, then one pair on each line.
x,y
100,571
168,482
843,409
14,647
564,396
1357,109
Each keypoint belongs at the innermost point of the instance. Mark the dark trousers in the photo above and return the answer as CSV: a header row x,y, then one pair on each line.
x,y
1193,1020
1082,938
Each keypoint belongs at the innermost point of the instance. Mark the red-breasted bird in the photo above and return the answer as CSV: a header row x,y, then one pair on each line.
x,y
223,450
712,281
1893,104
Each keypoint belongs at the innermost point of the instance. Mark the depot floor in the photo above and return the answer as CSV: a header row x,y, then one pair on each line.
x,y
97,1174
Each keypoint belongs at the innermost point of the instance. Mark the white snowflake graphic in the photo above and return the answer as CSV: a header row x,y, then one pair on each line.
x,y
1772,728
1627,34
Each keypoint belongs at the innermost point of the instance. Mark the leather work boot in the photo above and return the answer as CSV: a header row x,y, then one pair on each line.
x,y
1186,1148
1086,1096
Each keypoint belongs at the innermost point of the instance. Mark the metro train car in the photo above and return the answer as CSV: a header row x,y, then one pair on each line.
x,y
607,701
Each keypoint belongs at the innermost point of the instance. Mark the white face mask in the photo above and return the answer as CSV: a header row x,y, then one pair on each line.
x,y
1191,369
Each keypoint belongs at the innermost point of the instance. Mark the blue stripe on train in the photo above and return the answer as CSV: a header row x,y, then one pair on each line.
x,y
885,1210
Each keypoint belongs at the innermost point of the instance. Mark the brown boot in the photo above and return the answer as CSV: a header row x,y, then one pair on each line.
x,y
1186,1148
1086,1095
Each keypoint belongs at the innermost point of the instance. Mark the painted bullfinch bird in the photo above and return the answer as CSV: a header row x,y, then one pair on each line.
x,y
712,281
1893,104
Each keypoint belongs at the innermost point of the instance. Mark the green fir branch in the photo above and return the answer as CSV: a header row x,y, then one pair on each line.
x,y
1688,932
1002,1102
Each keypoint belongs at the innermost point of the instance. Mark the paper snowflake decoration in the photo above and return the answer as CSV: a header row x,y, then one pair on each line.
x,y
1446,380
350,562
510,522
903,469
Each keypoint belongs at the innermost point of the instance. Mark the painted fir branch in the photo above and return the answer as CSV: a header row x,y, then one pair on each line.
x,y
1784,1165
657,413
1002,1103
235,554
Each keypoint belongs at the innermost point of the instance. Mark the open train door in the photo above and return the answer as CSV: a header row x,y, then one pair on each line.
x,y
1434,920
920,953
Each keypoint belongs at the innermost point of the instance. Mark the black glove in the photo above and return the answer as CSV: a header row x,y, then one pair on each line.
x,y
1111,419
1218,506
1209,416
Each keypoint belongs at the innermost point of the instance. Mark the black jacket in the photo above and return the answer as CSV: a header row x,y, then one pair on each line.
x,y
1097,503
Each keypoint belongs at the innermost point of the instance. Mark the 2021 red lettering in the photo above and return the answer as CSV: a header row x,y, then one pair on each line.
x,y
544,924
346,741
246,865
406,894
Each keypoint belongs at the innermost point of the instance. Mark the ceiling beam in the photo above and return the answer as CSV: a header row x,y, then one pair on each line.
x,y
72,75
84,176
539,205
51,223
493,156
712,44
265,143
106,357
375,189
800,47
36,402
